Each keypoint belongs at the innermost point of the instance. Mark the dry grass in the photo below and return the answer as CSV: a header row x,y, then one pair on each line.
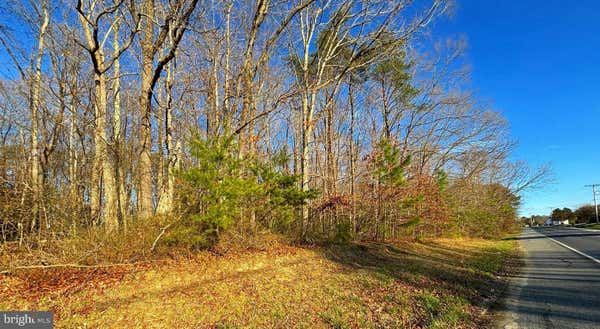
x,y
444,283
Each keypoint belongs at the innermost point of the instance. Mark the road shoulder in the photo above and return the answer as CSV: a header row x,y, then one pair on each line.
x,y
503,311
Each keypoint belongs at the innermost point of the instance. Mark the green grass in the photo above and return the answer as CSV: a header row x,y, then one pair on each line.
x,y
593,226
442,283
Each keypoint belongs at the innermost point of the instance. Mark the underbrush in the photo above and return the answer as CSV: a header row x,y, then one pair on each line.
x,y
88,246
139,241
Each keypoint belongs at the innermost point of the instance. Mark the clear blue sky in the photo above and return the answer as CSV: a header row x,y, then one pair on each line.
x,y
539,62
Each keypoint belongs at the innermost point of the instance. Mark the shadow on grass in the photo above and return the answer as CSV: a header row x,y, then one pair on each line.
x,y
454,270
405,285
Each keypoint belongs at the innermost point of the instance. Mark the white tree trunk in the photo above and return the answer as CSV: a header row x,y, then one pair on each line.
x,y
165,203
36,174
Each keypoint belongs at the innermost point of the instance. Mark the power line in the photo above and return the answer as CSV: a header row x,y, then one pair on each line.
x,y
593,186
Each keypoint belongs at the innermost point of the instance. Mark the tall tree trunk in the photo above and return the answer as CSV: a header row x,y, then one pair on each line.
x,y
110,193
146,205
103,181
308,105
95,181
168,37
117,138
73,179
226,89
165,203
352,160
161,158
215,122
247,77
386,111
34,105
330,163
305,133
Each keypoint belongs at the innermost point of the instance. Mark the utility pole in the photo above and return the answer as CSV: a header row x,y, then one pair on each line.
x,y
593,186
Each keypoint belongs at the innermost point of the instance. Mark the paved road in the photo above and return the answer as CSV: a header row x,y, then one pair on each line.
x,y
558,288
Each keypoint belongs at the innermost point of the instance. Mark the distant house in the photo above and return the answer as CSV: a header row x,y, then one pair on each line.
x,y
551,221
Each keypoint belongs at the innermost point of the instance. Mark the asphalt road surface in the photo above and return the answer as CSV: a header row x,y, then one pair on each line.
x,y
558,286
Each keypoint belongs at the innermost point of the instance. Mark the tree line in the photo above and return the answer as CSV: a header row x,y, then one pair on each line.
x,y
319,119
585,214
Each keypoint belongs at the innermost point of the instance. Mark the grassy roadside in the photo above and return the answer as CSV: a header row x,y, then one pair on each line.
x,y
441,283
593,226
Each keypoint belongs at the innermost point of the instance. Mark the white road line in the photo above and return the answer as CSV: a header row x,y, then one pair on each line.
x,y
572,249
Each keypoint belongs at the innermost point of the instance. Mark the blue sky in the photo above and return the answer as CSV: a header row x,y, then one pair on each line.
x,y
538,61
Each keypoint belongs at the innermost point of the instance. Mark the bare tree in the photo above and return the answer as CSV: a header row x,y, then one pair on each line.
x,y
93,20
154,36
37,182
343,45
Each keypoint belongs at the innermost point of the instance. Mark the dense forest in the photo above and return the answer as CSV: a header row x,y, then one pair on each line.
x,y
182,122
